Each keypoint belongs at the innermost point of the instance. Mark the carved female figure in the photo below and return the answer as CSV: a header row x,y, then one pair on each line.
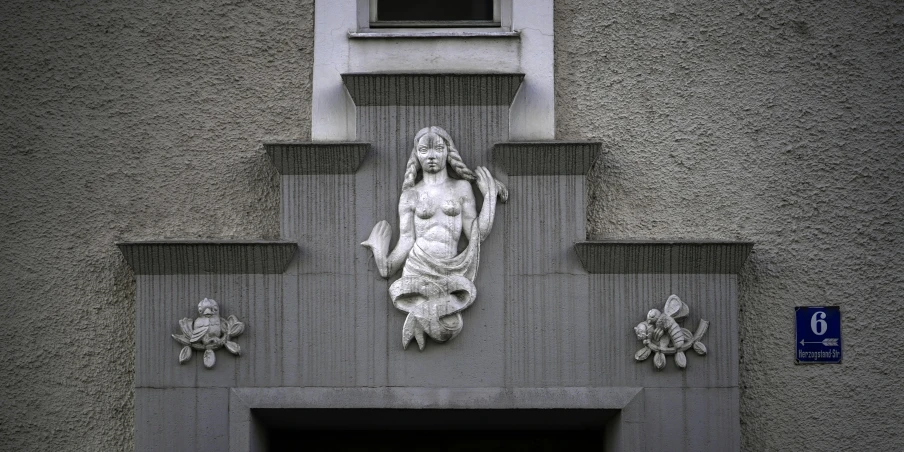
x,y
434,212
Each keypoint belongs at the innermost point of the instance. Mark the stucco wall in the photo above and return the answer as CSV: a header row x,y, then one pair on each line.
x,y
777,122
125,120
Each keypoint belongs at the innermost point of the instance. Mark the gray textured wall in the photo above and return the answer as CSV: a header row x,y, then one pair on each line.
x,y
776,122
125,121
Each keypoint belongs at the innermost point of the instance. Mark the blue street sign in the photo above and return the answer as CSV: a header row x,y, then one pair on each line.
x,y
818,334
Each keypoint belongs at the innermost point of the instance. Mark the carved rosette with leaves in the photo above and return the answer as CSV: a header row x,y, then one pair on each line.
x,y
208,333
662,335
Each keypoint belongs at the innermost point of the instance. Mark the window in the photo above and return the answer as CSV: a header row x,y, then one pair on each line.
x,y
434,13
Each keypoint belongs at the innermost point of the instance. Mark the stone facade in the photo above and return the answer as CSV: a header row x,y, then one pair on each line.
x,y
771,122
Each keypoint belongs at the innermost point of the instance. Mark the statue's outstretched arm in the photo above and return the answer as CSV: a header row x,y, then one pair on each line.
x,y
390,262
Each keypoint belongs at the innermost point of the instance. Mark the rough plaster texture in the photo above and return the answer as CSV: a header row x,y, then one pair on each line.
x,y
777,122
125,121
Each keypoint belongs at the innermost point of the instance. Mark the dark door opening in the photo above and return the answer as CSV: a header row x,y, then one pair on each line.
x,y
431,429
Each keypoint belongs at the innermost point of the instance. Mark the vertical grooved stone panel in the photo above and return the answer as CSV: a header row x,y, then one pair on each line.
x,y
427,90
618,302
545,217
692,419
163,300
176,419
318,212
324,331
548,336
391,130
549,313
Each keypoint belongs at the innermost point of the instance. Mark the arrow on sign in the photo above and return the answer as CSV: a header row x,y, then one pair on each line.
x,y
833,342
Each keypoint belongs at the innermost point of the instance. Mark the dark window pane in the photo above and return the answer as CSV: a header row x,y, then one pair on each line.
x,y
422,10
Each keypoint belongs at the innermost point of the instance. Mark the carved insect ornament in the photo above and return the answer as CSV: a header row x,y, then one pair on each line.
x,y
208,333
662,334
665,321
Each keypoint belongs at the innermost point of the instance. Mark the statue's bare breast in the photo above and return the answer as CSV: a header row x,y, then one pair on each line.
x,y
438,220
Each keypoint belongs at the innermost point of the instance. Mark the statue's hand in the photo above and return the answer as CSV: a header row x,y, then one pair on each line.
x,y
486,183
379,238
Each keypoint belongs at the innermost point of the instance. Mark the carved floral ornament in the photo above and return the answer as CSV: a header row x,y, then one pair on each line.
x,y
208,333
435,210
662,335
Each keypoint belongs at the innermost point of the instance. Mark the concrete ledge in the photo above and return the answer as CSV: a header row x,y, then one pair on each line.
x,y
369,89
317,158
174,257
632,256
432,34
243,434
437,398
540,158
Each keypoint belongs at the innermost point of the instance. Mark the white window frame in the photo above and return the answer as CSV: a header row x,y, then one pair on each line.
x,y
367,18
345,43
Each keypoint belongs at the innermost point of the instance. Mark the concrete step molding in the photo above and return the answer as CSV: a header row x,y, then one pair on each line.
x,y
661,256
293,158
184,257
546,158
378,88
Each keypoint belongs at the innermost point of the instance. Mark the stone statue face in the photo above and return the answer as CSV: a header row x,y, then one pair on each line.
x,y
432,152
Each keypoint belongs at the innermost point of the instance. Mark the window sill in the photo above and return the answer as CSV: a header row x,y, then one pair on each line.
x,y
431,34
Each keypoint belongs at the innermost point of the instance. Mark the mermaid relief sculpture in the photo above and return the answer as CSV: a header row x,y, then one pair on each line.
x,y
437,281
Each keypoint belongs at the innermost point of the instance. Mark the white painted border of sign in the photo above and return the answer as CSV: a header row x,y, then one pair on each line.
x,y
797,337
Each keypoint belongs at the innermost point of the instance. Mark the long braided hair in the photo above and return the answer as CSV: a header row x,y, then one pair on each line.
x,y
453,160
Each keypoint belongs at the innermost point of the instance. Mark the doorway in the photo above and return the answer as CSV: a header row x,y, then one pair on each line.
x,y
437,430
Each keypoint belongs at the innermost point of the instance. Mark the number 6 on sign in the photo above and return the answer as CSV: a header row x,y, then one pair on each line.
x,y
818,334
819,325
